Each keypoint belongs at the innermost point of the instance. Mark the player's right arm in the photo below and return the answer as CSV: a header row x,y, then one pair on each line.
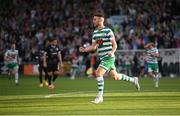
x,y
156,53
6,56
89,48
45,58
18,59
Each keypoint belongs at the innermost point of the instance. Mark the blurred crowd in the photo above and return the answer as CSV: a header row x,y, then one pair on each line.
x,y
32,23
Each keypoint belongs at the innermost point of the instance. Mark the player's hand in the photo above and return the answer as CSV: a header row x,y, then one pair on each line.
x,y
110,54
82,49
61,65
152,55
45,65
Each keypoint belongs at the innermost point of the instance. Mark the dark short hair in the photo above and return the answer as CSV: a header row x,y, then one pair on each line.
x,y
149,44
52,39
98,14
13,42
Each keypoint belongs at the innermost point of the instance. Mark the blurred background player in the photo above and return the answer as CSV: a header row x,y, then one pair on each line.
x,y
152,55
104,42
11,61
74,67
53,61
74,59
42,69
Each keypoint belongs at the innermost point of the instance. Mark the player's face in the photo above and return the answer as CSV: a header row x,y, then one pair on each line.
x,y
13,46
54,43
96,21
150,47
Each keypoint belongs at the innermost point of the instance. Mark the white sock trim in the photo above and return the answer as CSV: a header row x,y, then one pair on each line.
x,y
16,76
100,78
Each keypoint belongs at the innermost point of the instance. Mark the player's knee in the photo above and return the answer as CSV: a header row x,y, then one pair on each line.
x,y
50,73
150,74
14,71
56,72
114,76
98,73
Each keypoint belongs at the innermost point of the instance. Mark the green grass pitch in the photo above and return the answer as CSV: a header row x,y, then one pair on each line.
x,y
72,97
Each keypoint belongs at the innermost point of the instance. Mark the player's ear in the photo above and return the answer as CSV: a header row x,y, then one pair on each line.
x,y
102,19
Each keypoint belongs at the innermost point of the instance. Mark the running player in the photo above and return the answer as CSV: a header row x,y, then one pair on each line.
x,y
11,61
42,69
152,55
104,42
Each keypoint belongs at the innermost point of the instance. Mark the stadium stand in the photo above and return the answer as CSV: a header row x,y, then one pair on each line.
x,y
32,22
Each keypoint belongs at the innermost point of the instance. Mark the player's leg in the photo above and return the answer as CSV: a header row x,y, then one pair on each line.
x,y
150,70
46,73
155,69
119,76
73,72
55,75
55,71
13,67
99,76
50,74
9,70
15,72
142,71
156,79
45,76
40,75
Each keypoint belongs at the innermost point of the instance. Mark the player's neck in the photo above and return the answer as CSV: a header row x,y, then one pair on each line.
x,y
101,26
12,49
53,46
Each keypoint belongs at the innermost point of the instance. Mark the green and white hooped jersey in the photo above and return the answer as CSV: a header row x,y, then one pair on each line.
x,y
12,56
103,38
152,59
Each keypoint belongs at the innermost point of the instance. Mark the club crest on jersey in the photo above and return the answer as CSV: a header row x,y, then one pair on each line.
x,y
99,41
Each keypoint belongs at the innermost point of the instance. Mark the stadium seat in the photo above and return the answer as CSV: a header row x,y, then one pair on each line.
x,y
165,69
177,71
171,68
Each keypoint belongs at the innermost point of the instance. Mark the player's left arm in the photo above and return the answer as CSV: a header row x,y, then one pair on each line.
x,y
18,60
114,44
156,53
60,59
6,56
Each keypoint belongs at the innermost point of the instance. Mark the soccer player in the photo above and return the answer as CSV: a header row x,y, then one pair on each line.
x,y
104,42
41,68
53,62
11,61
152,55
74,67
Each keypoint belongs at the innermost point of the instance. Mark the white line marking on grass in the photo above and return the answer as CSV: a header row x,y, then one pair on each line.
x,y
60,94
90,94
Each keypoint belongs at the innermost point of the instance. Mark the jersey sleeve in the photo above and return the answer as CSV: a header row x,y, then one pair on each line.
x,y
46,50
17,53
6,53
59,50
110,34
93,37
156,51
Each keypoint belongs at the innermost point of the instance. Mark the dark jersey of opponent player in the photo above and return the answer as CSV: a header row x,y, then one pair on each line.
x,y
40,58
53,61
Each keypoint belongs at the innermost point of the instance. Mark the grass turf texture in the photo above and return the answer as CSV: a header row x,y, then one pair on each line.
x,y
73,97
